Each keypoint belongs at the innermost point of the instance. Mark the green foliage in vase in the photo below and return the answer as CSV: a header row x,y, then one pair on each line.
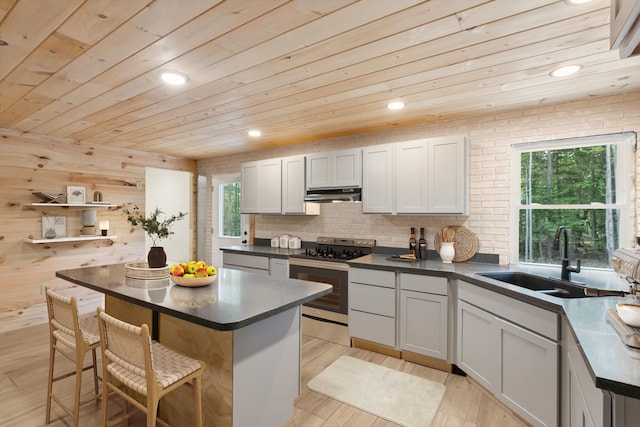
x,y
157,225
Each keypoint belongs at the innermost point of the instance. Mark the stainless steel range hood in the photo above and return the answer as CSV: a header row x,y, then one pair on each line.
x,y
333,195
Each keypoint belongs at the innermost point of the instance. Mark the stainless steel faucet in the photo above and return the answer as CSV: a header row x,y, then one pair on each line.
x,y
566,268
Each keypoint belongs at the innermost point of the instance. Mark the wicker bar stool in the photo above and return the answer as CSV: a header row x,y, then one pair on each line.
x,y
132,361
72,336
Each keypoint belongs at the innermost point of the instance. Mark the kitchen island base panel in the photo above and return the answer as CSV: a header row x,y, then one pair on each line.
x,y
257,363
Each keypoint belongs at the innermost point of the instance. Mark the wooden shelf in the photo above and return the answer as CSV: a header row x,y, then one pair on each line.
x,y
70,239
75,205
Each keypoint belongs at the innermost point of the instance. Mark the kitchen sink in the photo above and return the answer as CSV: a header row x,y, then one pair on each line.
x,y
547,285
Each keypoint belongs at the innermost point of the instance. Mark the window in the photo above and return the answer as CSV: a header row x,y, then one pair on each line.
x,y
584,184
230,225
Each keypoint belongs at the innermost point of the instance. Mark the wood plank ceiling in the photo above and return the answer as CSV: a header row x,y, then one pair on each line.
x,y
298,70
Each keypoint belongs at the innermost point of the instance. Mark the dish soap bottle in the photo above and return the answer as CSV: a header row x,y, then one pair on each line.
x,y
412,242
422,245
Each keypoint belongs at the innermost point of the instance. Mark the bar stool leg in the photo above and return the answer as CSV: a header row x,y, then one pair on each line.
x,y
76,403
50,385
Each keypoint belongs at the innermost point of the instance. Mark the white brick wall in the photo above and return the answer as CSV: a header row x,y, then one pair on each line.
x,y
491,136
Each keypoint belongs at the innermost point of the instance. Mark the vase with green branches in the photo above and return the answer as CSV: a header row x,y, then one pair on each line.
x,y
157,226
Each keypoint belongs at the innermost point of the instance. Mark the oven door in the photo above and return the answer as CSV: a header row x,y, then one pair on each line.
x,y
334,273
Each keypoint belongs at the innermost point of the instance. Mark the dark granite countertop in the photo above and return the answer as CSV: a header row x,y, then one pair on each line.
x,y
613,365
236,299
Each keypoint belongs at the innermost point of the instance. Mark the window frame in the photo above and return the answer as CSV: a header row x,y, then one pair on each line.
x,y
221,213
625,189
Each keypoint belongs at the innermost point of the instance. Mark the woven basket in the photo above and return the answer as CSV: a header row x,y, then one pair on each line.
x,y
141,270
465,243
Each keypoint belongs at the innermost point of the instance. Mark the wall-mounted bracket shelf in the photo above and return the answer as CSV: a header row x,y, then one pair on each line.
x,y
80,238
76,205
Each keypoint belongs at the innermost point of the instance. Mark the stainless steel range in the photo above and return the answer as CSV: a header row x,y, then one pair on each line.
x,y
327,317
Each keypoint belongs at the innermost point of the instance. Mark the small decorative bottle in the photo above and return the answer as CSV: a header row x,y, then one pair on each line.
x,y
422,245
412,242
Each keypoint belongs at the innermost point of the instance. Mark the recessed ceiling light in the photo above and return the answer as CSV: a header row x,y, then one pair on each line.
x,y
566,70
396,105
255,133
576,2
173,77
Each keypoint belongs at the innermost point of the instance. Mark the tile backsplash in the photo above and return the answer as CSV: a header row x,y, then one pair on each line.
x,y
347,220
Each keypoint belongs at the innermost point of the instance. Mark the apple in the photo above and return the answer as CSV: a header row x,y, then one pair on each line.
x,y
201,272
211,271
189,275
201,264
192,267
177,270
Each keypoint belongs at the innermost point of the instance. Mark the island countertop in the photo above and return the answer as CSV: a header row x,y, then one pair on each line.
x,y
236,299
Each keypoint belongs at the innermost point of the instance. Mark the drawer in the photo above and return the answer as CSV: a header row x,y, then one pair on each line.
x,y
421,283
373,277
372,299
252,261
372,327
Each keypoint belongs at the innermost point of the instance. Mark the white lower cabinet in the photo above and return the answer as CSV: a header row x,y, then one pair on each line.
x,y
372,305
528,373
279,267
424,315
583,404
477,346
511,348
276,267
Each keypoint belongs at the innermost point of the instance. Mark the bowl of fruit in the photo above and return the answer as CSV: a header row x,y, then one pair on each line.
x,y
193,274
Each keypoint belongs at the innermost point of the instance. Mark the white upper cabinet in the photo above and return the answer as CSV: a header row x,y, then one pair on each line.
x,y
261,186
411,186
293,191
377,179
275,186
447,171
335,169
424,176
250,184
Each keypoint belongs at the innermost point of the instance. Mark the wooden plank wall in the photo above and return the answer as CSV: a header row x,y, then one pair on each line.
x,y
38,163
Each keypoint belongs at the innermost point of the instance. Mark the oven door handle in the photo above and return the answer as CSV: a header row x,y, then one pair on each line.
x,y
313,263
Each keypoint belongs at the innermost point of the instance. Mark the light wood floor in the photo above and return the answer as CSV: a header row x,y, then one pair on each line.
x,y
23,383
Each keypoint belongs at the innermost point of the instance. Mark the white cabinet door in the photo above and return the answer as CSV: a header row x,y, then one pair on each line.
x,y
334,169
250,184
528,374
582,403
293,170
261,186
447,175
423,323
270,195
347,168
411,189
477,345
319,170
377,179
279,267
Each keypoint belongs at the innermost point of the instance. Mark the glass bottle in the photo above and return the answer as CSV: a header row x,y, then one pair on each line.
x,y
422,245
412,241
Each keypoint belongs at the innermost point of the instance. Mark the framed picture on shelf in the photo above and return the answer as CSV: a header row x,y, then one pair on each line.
x,y
54,227
76,195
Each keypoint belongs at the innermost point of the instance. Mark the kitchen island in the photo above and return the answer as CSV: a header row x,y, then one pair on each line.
x,y
246,327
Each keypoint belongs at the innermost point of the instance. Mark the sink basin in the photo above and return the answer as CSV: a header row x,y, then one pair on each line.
x,y
554,287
